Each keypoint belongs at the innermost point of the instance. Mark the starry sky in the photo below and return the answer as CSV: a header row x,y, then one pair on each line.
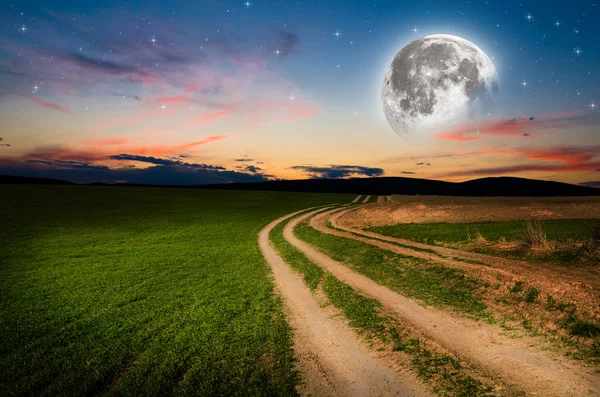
x,y
194,92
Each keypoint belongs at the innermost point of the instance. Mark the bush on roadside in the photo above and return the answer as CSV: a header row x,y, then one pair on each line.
x,y
533,238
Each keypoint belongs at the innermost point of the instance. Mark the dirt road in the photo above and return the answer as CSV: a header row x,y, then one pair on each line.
x,y
519,362
331,358
552,280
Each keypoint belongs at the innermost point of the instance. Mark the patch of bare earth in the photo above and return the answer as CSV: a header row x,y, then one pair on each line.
x,y
331,358
430,209
521,362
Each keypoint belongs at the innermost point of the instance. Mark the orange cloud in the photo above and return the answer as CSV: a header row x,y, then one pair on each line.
x,y
563,154
498,128
557,158
512,169
174,100
211,116
516,127
454,136
95,153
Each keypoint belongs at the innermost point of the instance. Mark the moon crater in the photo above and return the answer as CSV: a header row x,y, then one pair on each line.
x,y
437,80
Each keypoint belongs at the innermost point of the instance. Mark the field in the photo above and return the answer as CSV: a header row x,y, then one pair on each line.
x,y
141,291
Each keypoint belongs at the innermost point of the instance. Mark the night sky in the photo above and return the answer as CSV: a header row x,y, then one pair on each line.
x,y
177,92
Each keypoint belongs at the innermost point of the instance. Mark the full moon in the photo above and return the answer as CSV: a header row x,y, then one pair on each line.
x,y
435,81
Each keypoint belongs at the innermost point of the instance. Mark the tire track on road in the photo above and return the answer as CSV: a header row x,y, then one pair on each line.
x,y
332,359
516,361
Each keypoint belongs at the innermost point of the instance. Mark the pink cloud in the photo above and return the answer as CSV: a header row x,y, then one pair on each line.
x,y
516,127
563,158
47,104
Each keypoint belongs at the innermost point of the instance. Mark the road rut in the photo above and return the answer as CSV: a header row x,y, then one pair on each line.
x,y
332,359
517,362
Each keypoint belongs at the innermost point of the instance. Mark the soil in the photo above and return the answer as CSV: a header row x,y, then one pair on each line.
x,y
433,209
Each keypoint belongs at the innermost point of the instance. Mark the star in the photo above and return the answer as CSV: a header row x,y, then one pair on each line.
x,y
153,40
524,83
529,17
277,52
35,88
337,34
557,23
163,106
292,98
247,4
415,30
592,105
577,51
23,29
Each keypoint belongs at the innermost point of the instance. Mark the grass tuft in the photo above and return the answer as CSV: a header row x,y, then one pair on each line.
x,y
533,238
517,288
584,328
531,295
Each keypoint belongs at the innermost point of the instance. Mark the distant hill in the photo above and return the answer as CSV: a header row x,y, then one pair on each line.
x,y
25,180
500,186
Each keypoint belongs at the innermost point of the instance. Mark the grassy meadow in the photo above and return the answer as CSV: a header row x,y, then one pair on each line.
x,y
431,283
562,241
141,291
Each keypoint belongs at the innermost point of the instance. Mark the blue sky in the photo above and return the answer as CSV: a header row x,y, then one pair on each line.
x,y
286,84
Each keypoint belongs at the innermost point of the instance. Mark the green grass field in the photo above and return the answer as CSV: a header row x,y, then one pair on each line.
x,y
563,241
413,277
141,291
556,230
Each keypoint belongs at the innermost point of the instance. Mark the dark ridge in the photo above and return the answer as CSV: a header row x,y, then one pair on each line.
x,y
500,186
25,180
496,186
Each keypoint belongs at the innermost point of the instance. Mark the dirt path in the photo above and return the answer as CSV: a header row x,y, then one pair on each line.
x,y
356,198
555,280
331,358
517,362
380,199
366,200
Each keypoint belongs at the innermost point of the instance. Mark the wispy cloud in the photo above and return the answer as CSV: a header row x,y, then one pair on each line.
x,y
100,150
47,104
563,158
155,174
515,127
338,171
102,65
567,154
165,162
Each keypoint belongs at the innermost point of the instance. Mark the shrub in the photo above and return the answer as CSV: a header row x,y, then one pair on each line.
x,y
584,328
590,247
518,287
534,238
532,294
